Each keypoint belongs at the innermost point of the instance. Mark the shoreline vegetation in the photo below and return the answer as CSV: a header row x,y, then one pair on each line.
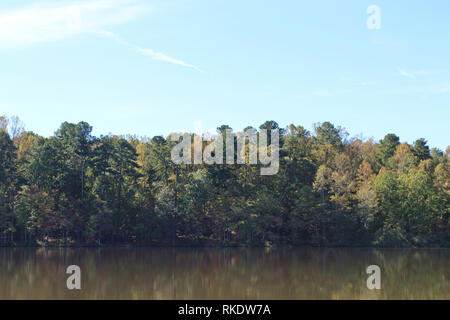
x,y
211,245
76,190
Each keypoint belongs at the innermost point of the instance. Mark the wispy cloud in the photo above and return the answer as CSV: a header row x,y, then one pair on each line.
x,y
162,57
414,74
58,20
53,21
145,51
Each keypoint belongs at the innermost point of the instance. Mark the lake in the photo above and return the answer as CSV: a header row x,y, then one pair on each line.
x,y
230,273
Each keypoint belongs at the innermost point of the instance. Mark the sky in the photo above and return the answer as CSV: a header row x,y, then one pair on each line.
x,y
152,67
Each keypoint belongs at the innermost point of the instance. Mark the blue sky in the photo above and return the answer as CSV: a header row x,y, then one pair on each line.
x,y
152,67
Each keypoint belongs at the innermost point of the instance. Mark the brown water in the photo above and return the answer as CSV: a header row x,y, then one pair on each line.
x,y
188,273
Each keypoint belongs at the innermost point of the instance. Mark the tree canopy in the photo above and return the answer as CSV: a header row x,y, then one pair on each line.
x,y
77,189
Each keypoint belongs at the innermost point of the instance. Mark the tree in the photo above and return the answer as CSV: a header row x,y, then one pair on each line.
x,y
343,186
322,182
386,149
388,194
419,206
117,158
77,142
8,181
73,189
421,149
403,159
367,197
327,133
7,158
442,185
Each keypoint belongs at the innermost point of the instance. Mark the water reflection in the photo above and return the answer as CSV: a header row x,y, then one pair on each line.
x,y
186,273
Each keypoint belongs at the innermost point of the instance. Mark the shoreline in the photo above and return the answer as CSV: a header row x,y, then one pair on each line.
x,y
188,246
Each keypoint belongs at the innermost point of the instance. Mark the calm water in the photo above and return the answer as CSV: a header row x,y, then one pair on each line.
x,y
186,273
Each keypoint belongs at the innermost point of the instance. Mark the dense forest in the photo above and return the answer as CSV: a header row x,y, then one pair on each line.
x,y
331,190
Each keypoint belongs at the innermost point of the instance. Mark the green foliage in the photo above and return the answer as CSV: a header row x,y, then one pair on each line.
x,y
77,189
386,148
421,150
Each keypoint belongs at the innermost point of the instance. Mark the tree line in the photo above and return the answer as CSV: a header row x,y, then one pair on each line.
x,y
331,190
